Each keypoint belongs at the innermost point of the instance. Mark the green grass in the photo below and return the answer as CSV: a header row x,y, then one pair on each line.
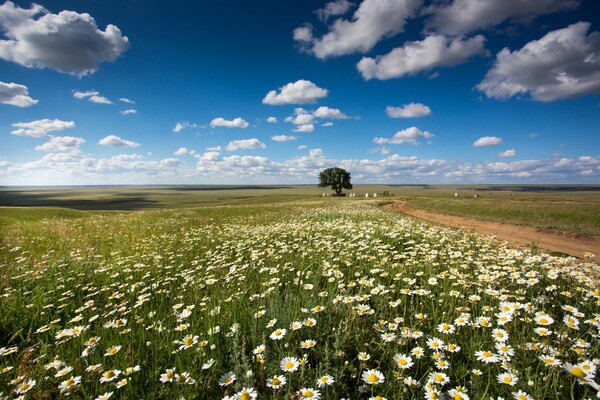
x,y
568,208
559,213
10,215
357,279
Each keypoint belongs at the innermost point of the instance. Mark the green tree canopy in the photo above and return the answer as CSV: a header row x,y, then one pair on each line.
x,y
337,178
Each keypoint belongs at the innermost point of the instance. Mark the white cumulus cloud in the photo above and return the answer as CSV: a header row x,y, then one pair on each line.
x,y
464,16
283,138
272,120
15,95
411,110
128,112
68,42
564,63
245,144
300,92
62,144
235,123
305,128
507,153
301,117
92,96
334,9
116,141
409,136
40,128
373,21
329,113
303,33
182,151
487,141
423,55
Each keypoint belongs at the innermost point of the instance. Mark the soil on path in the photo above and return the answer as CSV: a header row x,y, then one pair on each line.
x,y
515,235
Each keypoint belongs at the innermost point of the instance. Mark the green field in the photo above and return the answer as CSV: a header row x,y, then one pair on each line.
x,y
568,208
236,293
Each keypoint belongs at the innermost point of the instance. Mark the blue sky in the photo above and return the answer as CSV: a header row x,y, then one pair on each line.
x,y
230,92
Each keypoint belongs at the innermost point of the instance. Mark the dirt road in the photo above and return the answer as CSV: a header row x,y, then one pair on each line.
x,y
516,235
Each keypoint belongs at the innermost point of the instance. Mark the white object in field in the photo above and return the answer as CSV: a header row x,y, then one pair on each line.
x,y
367,195
455,194
374,194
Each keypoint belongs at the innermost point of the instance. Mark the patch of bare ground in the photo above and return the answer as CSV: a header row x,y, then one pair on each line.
x,y
515,235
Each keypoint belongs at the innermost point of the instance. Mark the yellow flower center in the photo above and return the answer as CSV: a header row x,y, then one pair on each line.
x,y
276,381
373,378
245,396
457,396
289,365
439,378
402,361
507,379
487,354
109,374
578,372
308,393
188,341
543,321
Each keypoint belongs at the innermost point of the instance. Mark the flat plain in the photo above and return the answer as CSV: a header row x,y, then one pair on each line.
x,y
279,292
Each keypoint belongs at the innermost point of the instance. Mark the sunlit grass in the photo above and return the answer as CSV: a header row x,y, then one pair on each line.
x,y
328,299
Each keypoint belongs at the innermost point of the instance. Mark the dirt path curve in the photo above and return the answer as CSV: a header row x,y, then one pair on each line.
x,y
516,235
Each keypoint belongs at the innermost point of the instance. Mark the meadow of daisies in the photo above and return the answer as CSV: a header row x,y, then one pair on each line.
x,y
326,299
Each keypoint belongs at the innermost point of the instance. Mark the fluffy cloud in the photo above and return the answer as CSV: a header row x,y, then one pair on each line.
x,y
507,153
411,110
245,144
306,128
305,120
329,113
68,42
334,9
373,21
487,141
40,128
128,112
62,144
272,120
409,136
303,33
77,167
15,95
235,123
183,151
115,141
92,96
283,138
299,92
464,16
126,100
414,57
564,63
301,117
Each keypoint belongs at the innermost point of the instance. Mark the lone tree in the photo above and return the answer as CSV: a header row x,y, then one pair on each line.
x,y
337,178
